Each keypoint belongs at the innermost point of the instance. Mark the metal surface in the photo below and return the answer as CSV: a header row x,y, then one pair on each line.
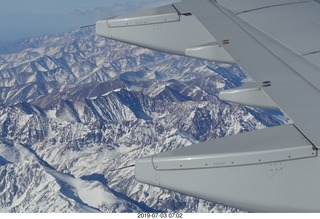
x,y
261,146
213,52
265,59
287,186
158,15
249,96
277,43
241,6
167,35
298,31
273,170
314,58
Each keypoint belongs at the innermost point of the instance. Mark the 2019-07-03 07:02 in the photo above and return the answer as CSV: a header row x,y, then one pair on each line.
x,y
160,215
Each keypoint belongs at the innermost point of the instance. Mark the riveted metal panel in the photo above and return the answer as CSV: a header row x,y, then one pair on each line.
x,y
151,16
287,25
241,6
261,146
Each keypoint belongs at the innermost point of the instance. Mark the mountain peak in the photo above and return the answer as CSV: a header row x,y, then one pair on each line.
x,y
74,106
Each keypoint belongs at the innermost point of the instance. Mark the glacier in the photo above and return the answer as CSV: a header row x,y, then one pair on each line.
x,y
74,107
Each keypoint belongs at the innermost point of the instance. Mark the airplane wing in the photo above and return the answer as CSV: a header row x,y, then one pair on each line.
x,y
277,42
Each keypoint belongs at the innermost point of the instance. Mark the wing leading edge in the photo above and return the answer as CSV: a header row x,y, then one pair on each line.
x,y
274,169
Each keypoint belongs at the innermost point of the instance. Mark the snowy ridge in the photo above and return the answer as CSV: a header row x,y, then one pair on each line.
x,y
31,185
73,107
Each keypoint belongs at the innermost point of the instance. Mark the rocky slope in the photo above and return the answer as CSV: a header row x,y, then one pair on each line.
x,y
74,107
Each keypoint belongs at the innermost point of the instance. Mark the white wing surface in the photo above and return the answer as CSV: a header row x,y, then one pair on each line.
x,y
277,42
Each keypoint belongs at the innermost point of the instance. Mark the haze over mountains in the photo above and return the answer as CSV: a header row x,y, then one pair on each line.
x,y
73,107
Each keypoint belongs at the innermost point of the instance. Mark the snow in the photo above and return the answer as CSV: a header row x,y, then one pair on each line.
x,y
157,89
51,113
113,91
92,194
83,134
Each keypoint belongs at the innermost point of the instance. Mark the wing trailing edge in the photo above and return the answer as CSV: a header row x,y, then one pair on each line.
x,y
271,162
166,29
273,169
249,95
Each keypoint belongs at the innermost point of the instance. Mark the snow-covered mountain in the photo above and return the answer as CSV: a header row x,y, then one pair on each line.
x,y
74,107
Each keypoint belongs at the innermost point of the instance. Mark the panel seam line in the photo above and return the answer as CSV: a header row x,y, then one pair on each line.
x,y
272,6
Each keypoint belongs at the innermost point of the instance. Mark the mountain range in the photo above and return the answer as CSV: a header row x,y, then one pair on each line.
x,y
76,108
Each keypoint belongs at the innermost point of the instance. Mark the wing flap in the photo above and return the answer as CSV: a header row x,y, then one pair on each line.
x,y
166,29
292,77
275,144
249,95
162,28
158,15
212,51
263,170
238,170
